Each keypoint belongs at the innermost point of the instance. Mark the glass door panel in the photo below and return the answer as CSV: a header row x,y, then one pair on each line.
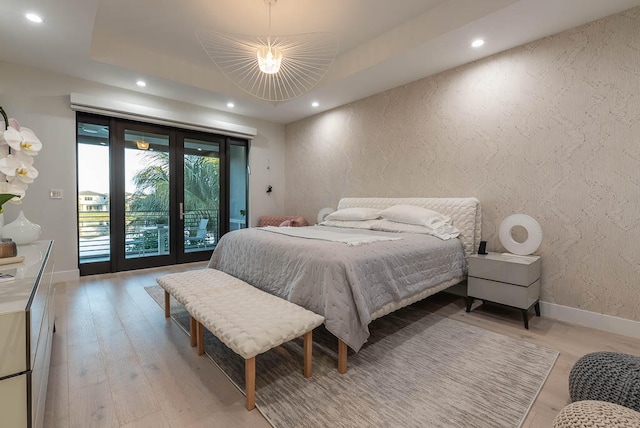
x,y
237,187
94,225
147,193
201,202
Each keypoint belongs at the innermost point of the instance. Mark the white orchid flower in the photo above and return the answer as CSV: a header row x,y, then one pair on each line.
x,y
13,123
9,166
13,138
23,139
17,189
15,169
23,157
17,146
26,173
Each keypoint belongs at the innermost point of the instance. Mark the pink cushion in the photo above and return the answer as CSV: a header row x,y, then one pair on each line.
x,y
277,220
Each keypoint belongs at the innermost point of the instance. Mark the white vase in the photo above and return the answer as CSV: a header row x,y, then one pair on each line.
x,y
21,230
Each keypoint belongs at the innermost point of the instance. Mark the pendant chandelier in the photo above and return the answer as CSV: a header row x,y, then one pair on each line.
x,y
272,68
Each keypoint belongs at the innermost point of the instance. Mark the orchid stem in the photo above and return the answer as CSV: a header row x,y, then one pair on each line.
x,y
6,119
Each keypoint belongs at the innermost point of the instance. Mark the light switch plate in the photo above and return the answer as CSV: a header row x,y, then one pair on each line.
x,y
55,193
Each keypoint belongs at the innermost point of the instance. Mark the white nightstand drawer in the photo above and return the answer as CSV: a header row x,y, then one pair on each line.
x,y
498,267
508,294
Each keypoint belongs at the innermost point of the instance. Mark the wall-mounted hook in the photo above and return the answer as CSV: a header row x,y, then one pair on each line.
x,y
269,189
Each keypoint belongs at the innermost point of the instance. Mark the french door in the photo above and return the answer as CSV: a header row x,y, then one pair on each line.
x,y
150,195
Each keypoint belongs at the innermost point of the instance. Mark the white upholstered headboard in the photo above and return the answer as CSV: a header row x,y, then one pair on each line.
x,y
465,213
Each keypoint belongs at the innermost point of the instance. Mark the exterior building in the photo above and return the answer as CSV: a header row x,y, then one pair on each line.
x,y
92,201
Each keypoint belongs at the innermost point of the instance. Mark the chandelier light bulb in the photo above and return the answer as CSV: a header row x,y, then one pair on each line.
x,y
142,145
34,18
269,59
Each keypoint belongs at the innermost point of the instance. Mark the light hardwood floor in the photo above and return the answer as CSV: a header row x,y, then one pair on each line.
x,y
117,362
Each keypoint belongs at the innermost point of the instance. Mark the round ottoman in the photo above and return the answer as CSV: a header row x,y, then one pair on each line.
x,y
607,376
596,414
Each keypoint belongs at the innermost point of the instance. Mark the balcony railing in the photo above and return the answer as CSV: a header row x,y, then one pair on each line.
x,y
146,233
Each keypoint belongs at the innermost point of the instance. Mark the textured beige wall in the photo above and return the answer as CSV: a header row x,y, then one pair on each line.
x,y
551,129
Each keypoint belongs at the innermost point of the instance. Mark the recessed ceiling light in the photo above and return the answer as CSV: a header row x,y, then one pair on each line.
x,y
230,104
477,43
89,131
199,149
315,104
141,83
33,17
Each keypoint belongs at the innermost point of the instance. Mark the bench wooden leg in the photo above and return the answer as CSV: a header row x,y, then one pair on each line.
x,y
167,304
250,381
308,350
200,334
193,333
342,357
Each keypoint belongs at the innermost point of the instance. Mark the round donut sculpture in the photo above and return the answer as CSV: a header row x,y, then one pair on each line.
x,y
534,232
323,213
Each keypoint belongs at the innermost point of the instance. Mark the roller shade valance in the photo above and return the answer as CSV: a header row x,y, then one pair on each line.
x,y
123,110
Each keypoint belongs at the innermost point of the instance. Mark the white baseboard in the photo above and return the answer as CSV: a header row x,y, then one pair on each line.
x,y
596,320
66,275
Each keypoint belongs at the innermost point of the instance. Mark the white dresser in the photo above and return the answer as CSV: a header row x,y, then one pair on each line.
x,y
26,333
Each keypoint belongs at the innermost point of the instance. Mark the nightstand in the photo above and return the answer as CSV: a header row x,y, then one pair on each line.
x,y
506,279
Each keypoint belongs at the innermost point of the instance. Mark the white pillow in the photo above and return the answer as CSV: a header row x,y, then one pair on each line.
x,y
351,214
443,232
410,214
354,224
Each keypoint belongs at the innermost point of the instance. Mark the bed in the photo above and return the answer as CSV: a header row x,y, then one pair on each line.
x,y
353,285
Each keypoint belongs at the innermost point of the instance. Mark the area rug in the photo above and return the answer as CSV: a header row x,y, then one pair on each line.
x,y
418,369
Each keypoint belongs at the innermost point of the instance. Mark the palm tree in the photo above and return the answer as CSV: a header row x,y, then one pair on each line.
x,y
151,184
201,186
201,182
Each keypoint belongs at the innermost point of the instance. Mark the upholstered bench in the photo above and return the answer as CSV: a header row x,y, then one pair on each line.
x,y
186,287
249,321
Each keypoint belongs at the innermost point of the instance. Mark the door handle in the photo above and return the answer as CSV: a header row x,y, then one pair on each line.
x,y
181,211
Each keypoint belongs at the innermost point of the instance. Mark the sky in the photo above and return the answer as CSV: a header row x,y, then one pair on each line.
x,y
93,167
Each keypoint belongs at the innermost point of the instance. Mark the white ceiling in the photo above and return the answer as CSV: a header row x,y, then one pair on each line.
x,y
382,44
